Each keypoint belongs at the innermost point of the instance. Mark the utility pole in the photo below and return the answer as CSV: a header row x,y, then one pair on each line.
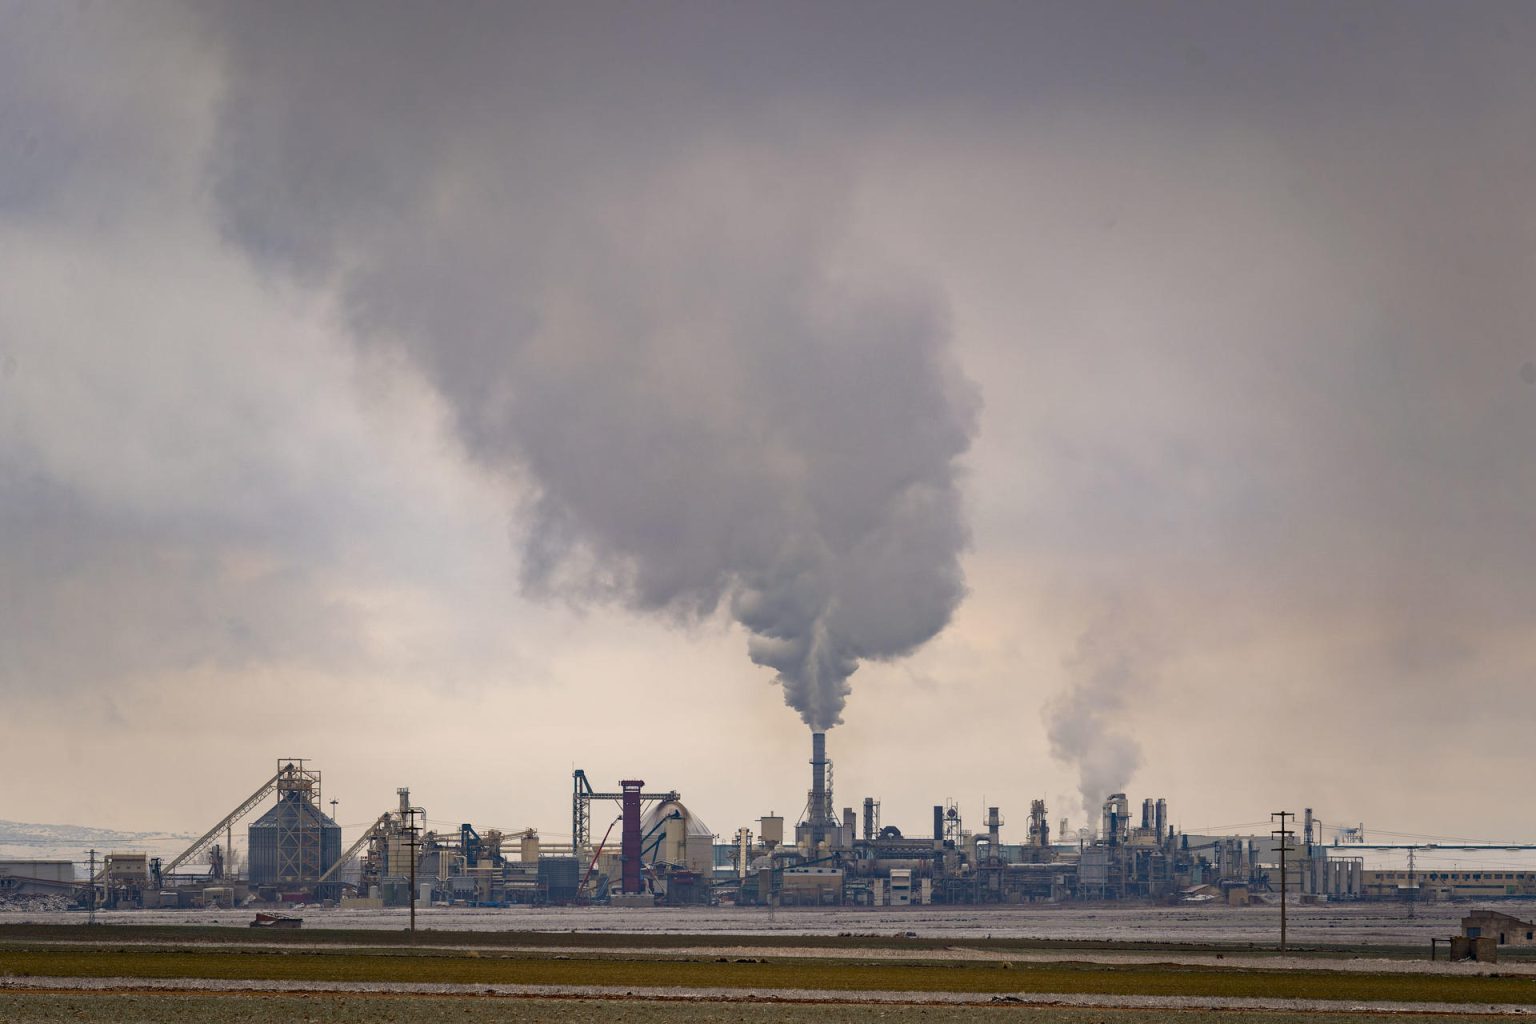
x,y
1413,891
411,831
93,887
1284,835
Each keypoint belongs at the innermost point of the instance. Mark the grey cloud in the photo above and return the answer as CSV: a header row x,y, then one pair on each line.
x,y
1246,287
94,598
174,501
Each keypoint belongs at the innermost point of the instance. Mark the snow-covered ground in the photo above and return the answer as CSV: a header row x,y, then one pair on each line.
x,y
1355,924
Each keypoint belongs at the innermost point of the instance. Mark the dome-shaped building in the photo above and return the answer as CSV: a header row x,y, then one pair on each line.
x,y
682,841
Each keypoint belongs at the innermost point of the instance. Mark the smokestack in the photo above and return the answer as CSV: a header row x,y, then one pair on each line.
x,y
821,799
630,838
938,822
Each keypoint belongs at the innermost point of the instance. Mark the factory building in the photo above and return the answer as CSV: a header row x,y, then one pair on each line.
x,y
852,858
655,850
1449,885
1131,855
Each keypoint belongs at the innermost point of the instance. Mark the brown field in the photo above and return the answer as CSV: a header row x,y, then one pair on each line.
x,y
245,1008
74,973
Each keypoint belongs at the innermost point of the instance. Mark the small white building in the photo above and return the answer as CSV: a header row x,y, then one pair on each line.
x,y
1505,929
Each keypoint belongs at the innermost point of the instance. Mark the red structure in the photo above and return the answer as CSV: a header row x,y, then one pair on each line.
x,y
629,850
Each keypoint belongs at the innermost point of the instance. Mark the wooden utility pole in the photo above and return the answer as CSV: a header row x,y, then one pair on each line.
x,y
1284,835
411,830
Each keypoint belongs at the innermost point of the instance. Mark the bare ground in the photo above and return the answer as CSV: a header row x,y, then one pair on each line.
x,y
239,1008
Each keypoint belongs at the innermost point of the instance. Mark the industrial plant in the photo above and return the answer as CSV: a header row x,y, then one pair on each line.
x,y
656,851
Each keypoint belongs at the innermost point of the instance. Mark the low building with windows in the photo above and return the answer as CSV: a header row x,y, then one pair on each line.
x,y
1505,929
1450,885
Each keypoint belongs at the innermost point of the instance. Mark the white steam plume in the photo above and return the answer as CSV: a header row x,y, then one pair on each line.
x,y
1112,662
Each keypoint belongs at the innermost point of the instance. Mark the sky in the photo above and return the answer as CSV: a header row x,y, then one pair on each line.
x,y
1049,399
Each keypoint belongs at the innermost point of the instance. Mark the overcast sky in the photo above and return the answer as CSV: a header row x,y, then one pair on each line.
x,y
1066,396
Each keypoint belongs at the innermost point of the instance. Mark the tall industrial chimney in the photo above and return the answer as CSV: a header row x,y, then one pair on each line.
x,y
630,839
819,811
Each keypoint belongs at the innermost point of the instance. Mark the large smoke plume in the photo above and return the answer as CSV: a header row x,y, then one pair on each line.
x,y
639,297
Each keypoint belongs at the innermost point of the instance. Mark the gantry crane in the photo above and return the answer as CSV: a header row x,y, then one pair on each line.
x,y
581,808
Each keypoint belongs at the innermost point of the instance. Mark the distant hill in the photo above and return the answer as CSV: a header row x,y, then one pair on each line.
x,y
21,840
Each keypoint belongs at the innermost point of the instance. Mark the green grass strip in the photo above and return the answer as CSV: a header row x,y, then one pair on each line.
x,y
311,935
1152,980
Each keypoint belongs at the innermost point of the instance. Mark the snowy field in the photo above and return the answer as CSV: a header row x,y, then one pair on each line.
x,y
1354,924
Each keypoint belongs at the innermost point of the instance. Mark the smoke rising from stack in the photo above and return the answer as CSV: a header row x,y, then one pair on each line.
x,y
1113,662
653,322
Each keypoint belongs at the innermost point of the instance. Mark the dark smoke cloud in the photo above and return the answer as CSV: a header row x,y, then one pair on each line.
x,y
650,312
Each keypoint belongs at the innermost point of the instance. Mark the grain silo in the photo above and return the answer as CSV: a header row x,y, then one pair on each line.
x,y
294,843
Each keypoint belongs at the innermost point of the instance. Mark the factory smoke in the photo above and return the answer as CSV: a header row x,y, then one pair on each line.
x,y
1111,663
657,325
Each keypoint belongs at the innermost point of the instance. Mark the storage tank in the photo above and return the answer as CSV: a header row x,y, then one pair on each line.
x,y
675,844
684,839
293,843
